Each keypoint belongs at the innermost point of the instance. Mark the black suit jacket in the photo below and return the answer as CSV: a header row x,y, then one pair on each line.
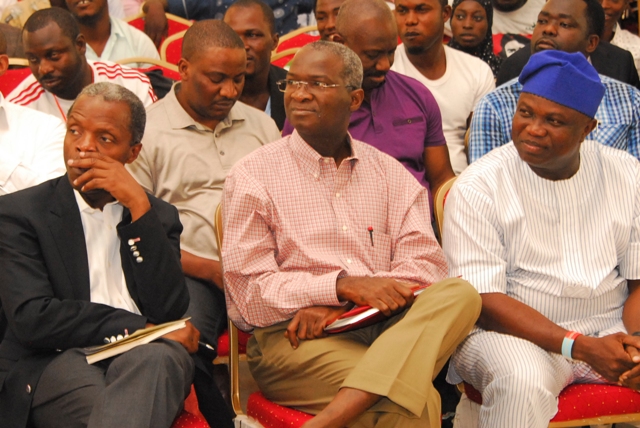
x,y
607,59
45,284
277,97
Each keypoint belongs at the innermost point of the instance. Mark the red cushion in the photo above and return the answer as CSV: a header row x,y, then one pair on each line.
x,y
223,343
585,401
297,42
12,78
187,420
272,415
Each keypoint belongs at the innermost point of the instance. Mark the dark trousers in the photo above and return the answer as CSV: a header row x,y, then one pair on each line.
x,y
144,387
207,309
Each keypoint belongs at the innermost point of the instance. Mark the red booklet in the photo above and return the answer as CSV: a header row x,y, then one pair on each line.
x,y
361,316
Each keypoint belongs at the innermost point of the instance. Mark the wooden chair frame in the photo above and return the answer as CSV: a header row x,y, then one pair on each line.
x,y
297,32
165,45
438,202
278,55
145,60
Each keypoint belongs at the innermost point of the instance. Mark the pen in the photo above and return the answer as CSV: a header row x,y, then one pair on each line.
x,y
207,350
370,229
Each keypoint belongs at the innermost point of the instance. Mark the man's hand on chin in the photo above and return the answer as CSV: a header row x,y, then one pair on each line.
x,y
309,323
104,173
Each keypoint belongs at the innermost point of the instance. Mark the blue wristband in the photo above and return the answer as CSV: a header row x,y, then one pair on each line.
x,y
567,343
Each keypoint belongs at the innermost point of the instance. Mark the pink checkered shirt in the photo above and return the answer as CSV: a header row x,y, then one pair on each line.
x,y
294,224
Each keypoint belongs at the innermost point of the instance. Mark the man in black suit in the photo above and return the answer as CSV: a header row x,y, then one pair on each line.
x,y
556,29
85,257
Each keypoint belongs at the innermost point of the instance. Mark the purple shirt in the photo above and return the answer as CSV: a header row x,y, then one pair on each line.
x,y
402,119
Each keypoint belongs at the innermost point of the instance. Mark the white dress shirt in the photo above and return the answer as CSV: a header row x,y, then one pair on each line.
x,y
106,278
30,147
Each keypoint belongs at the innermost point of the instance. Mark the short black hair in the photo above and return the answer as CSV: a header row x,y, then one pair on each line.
x,y
209,33
267,12
595,18
62,18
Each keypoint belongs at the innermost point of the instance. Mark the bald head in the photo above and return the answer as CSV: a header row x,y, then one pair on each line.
x,y
357,15
210,33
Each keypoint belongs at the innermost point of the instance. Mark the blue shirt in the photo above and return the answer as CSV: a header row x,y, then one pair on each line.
x,y
618,118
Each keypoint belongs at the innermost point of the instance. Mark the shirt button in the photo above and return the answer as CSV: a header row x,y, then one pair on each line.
x,y
221,153
409,121
217,135
133,248
28,389
349,261
136,253
337,195
315,175
139,259
131,242
344,227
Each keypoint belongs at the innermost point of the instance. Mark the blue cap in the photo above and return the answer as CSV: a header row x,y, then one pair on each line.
x,y
564,78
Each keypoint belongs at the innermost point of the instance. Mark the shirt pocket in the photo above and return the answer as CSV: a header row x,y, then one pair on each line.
x,y
408,121
380,252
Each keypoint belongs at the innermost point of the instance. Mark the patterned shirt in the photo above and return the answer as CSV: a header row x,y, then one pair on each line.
x,y
565,248
618,118
294,223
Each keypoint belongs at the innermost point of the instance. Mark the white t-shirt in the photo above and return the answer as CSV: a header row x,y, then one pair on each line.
x,y
466,80
519,21
31,94
30,147
124,41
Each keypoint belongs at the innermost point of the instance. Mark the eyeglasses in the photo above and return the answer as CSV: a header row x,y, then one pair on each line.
x,y
312,87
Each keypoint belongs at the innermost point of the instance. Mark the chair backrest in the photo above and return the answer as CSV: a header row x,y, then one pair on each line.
x,y
281,59
12,78
439,198
171,48
297,38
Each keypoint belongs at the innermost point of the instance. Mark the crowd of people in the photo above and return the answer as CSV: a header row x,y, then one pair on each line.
x,y
326,173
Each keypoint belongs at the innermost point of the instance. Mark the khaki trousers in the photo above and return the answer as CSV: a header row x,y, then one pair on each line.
x,y
398,359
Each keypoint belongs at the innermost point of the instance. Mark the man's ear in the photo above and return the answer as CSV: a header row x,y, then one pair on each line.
x,y
589,127
446,13
593,41
183,69
134,151
337,38
275,38
81,44
4,63
357,96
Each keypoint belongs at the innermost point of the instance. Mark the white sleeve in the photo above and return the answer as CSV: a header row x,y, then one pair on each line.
x,y
15,174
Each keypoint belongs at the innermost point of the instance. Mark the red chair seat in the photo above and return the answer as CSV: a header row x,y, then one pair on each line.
x,y
190,416
223,343
585,401
187,420
272,415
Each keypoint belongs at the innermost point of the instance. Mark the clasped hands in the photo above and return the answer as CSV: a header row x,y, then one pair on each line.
x,y
616,357
385,294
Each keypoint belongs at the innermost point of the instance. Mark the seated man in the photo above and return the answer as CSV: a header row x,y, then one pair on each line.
x,y
29,154
108,38
319,221
552,32
254,22
399,115
193,137
456,79
618,115
56,53
101,258
547,228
